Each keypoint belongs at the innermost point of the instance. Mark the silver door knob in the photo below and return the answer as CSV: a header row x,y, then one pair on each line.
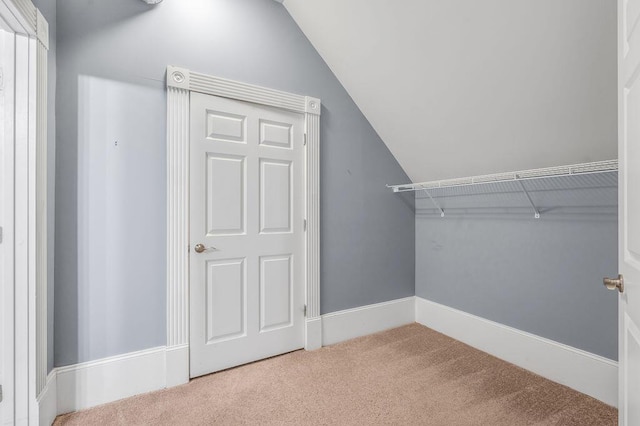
x,y
199,248
612,283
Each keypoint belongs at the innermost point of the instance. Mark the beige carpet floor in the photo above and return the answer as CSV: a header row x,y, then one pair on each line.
x,y
407,376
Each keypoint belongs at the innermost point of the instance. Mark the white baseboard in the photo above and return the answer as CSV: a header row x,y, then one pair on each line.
x,y
585,372
351,323
48,401
98,382
313,334
177,368
93,383
86,385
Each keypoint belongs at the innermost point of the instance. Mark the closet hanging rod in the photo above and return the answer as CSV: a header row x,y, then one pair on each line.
x,y
596,167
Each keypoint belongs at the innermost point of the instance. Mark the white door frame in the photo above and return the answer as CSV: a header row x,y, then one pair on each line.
x,y
180,83
25,232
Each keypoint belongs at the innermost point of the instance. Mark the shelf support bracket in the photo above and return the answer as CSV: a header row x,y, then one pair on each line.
x,y
536,212
435,203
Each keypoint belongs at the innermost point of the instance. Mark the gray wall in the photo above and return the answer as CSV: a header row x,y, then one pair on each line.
x,y
542,276
110,199
48,9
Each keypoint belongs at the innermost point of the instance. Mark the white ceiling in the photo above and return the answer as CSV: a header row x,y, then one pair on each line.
x,y
467,87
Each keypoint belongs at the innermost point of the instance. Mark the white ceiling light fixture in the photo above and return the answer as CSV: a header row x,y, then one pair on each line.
x,y
152,2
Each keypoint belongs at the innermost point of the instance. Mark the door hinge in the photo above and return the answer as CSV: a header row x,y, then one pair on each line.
x,y
1,229
0,393
305,139
305,224
305,310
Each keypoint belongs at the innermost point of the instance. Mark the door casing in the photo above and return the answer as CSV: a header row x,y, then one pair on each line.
x,y
180,83
24,212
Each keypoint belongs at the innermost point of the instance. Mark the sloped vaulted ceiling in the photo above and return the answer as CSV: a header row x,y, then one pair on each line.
x,y
466,87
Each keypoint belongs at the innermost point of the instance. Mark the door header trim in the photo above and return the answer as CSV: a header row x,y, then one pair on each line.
x,y
182,78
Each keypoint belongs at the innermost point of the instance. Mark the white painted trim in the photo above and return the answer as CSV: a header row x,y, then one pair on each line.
x,y
178,229
180,83
351,323
22,16
98,382
23,242
28,236
40,316
48,401
182,78
8,219
313,334
177,362
93,383
85,385
42,30
585,372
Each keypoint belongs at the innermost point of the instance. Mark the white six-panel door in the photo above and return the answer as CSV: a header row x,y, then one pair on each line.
x,y
629,210
246,211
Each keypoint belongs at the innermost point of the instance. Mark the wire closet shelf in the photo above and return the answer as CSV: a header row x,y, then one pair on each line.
x,y
530,184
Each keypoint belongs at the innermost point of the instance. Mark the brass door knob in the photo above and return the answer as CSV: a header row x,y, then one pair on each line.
x,y
612,283
199,248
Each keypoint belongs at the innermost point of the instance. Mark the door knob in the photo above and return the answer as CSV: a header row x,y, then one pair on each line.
x,y
200,248
613,283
